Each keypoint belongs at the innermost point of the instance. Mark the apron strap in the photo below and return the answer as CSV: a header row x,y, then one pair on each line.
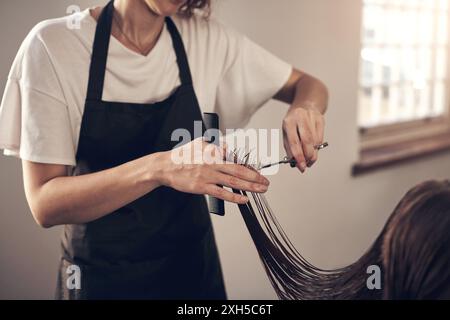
x,y
100,53
180,51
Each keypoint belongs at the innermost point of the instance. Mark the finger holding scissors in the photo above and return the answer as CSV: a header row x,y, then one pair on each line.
x,y
292,161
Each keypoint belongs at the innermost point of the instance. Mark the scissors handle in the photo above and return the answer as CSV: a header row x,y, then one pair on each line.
x,y
292,161
321,146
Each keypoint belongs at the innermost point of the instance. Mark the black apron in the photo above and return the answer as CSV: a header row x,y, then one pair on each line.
x,y
162,245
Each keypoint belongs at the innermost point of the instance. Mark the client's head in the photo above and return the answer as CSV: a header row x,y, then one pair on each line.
x,y
415,247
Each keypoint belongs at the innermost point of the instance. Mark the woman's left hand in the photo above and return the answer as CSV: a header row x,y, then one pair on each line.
x,y
303,129
303,125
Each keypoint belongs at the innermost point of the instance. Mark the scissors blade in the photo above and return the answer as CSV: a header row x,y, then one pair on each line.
x,y
292,161
272,164
284,161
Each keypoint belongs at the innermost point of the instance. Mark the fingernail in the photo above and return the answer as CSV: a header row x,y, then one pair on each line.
x,y
266,181
244,199
262,188
303,166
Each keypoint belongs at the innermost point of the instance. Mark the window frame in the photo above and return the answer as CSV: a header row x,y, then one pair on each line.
x,y
387,144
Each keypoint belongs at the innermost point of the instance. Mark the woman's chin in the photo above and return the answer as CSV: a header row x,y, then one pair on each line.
x,y
166,9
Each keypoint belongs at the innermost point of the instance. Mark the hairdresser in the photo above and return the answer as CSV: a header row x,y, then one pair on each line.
x,y
90,111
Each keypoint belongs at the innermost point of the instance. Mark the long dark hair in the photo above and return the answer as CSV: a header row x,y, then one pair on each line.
x,y
416,244
412,251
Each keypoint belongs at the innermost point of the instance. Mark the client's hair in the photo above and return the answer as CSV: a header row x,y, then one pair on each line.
x,y
416,244
412,251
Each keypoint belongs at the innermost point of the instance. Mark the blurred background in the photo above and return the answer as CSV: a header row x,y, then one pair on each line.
x,y
386,65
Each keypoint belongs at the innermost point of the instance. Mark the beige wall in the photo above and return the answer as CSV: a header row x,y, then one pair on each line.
x,y
330,216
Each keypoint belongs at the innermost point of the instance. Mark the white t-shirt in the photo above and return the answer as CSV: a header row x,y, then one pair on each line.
x,y
43,103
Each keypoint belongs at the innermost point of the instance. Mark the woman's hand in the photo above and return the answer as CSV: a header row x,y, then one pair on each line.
x,y
303,125
198,167
303,129
56,198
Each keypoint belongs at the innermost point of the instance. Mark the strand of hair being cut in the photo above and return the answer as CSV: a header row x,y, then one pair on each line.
x,y
290,274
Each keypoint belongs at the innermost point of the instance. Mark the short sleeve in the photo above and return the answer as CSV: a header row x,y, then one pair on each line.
x,y
251,76
34,118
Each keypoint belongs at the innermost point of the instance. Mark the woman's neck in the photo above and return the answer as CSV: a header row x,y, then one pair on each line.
x,y
138,22
137,19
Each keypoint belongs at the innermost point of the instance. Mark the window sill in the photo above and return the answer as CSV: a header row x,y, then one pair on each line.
x,y
380,157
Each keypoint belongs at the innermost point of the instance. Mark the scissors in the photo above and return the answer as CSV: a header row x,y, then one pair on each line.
x,y
292,161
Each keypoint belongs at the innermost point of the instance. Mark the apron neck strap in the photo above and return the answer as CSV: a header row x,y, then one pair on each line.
x,y
101,47
180,51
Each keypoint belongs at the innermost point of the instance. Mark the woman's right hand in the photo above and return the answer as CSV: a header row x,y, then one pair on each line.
x,y
199,168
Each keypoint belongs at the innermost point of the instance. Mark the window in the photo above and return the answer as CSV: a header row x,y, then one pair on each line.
x,y
404,76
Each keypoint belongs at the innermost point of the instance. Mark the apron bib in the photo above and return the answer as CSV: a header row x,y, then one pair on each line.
x,y
160,246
